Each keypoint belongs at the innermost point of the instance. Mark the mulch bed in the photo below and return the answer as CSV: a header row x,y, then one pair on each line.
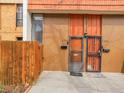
x,y
13,89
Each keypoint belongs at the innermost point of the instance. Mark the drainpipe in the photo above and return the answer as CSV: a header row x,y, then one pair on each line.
x,y
25,21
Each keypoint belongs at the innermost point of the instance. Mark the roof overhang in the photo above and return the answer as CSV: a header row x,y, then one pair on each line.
x,y
76,12
77,6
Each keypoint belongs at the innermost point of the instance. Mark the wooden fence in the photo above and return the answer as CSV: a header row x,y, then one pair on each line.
x,y
20,62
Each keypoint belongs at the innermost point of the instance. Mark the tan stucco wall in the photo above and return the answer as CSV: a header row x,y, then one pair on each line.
x,y
113,38
55,32
8,29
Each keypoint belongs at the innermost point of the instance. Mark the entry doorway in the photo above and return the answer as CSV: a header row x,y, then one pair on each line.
x,y
93,43
76,34
85,43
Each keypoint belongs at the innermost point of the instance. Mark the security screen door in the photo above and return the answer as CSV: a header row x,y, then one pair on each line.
x,y
93,57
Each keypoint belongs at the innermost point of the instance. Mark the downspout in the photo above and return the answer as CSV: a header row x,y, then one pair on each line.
x,y
25,21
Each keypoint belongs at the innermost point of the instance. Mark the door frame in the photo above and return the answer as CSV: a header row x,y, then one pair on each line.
x,y
69,50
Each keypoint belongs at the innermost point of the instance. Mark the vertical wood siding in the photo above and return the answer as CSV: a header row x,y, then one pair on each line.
x,y
76,25
20,62
94,25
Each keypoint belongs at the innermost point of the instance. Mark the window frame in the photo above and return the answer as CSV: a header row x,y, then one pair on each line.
x,y
33,31
19,15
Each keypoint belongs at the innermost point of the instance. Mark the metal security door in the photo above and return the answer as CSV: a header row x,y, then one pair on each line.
x,y
76,55
94,34
93,58
76,44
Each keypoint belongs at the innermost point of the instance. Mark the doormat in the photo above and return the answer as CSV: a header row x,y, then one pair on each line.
x,y
95,75
76,74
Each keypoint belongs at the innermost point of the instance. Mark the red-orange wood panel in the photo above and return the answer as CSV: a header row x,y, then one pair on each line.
x,y
76,49
94,25
76,30
76,44
76,25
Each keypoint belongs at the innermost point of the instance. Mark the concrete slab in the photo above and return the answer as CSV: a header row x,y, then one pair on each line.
x,y
62,82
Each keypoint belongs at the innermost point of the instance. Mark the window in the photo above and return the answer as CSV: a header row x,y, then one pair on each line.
x,y
19,38
19,15
37,30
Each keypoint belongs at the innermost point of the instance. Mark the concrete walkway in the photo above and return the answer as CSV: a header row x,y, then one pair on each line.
x,y
62,82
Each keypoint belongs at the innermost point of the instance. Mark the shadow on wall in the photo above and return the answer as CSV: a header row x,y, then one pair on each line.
x,y
122,70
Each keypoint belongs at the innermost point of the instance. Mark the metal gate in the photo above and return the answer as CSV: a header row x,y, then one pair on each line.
x,y
76,55
93,56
